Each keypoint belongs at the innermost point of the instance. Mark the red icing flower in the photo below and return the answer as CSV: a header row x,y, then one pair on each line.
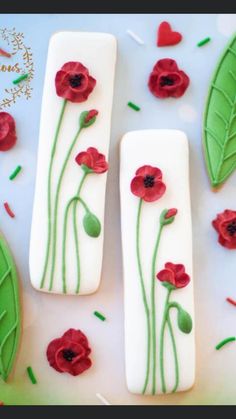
x,y
93,160
91,114
147,184
167,80
174,274
171,213
225,225
70,353
73,82
7,131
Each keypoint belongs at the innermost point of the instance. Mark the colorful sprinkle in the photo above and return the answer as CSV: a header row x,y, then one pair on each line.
x,y
223,342
21,78
231,301
135,37
8,210
99,315
103,400
133,106
203,42
31,375
4,53
15,173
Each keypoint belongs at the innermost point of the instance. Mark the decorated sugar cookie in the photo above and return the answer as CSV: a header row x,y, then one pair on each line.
x,y
66,246
157,262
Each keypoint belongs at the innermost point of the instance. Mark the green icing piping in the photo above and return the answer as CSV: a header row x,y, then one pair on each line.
x,y
219,126
49,192
144,296
9,310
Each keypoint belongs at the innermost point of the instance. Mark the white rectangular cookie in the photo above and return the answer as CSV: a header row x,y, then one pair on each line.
x,y
166,362
77,267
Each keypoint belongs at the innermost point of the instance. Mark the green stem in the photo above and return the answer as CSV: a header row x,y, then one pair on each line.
x,y
49,192
54,232
73,200
145,303
153,308
76,233
164,320
175,354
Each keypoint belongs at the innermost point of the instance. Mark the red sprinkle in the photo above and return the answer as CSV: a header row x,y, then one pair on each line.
x,y
231,301
8,210
4,53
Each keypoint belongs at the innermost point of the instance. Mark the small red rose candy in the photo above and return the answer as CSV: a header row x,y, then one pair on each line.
x,y
167,80
147,183
73,82
174,274
225,225
7,131
93,160
70,353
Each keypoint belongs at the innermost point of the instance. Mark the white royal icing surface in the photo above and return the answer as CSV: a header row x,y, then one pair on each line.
x,y
168,150
97,51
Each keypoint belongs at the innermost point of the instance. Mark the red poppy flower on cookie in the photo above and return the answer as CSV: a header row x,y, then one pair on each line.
x,y
70,353
147,183
7,131
73,82
174,274
225,225
167,80
93,160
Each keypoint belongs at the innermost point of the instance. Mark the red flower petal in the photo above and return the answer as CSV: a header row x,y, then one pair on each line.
x,y
171,213
177,268
84,158
91,114
166,64
154,193
74,66
137,186
7,131
166,275
150,171
76,336
182,281
81,366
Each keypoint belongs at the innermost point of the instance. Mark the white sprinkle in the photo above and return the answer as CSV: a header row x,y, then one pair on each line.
x,y
103,400
135,37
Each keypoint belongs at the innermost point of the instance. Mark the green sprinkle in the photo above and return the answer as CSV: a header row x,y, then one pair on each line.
x,y
31,375
21,78
99,315
223,342
15,173
204,41
133,106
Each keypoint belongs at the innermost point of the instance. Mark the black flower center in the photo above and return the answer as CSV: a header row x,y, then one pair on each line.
x,y
76,80
68,354
166,81
149,181
231,228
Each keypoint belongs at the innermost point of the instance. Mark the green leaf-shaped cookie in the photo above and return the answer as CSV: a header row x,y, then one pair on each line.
x,y
219,136
9,310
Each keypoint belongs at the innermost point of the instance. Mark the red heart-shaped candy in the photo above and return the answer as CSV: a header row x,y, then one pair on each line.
x,y
167,37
